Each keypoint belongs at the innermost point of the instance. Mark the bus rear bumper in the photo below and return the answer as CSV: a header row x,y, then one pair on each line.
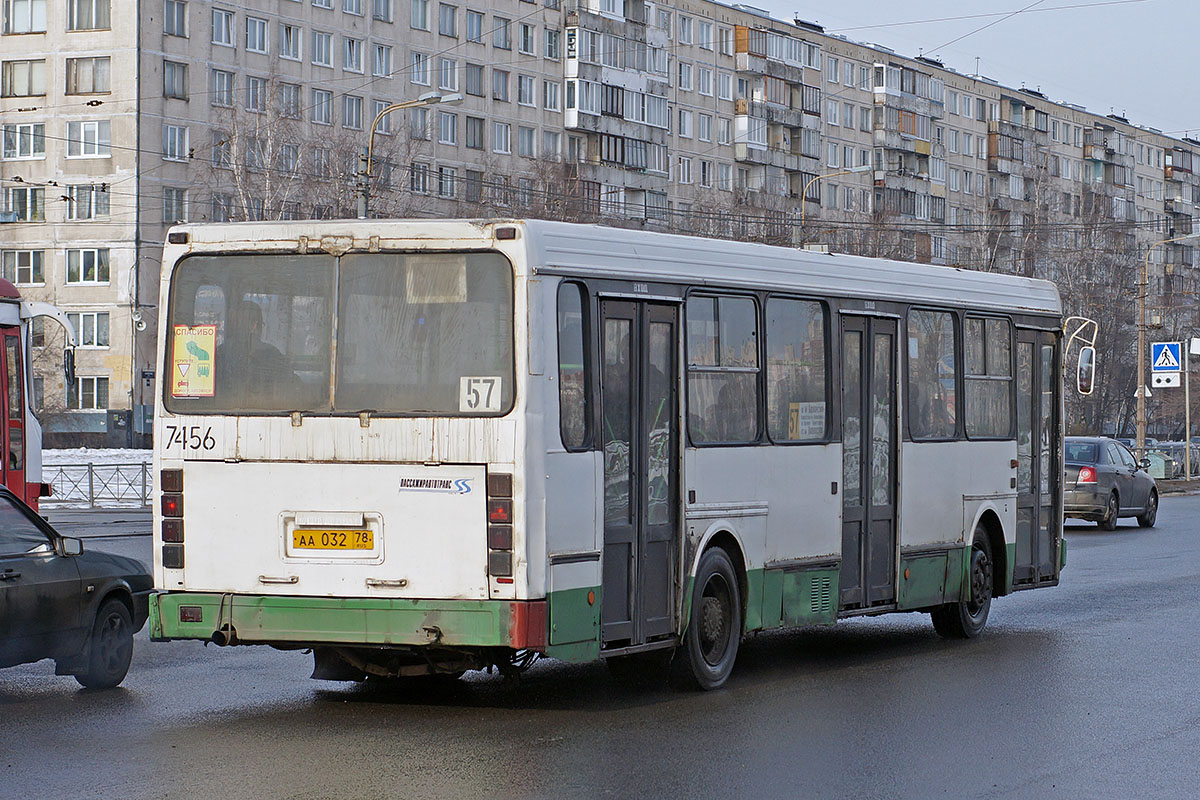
x,y
377,622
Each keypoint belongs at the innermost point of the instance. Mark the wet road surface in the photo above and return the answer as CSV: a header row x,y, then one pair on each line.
x,y
1088,689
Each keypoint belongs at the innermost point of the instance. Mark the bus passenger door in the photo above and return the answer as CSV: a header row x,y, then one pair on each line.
x,y
13,439
869,426
639,410
1038,473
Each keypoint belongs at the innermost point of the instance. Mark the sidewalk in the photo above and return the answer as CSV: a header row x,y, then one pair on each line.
x,y
90,523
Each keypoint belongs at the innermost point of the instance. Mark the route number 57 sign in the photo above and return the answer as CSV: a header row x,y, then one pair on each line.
x,y
479,395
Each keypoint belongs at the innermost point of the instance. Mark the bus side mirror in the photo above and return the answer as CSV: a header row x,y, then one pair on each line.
x,y
1085,378
69,365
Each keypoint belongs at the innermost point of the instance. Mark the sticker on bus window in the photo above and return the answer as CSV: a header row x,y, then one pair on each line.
x,y
193,352
806,421
479,395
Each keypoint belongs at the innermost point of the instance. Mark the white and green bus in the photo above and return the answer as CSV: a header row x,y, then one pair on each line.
x,y
424,447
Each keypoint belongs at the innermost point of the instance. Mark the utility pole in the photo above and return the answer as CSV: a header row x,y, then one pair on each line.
x,y
361,183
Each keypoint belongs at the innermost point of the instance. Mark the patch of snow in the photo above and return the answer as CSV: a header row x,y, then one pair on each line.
x,y
93,455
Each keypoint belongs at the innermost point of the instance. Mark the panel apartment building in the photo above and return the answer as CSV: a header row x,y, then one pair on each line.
x,y
120,118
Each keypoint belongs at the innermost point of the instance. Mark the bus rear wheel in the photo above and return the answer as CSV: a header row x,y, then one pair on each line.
x,y
705,658
966,618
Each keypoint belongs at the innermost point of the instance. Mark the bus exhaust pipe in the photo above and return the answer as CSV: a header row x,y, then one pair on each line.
x,y
224,636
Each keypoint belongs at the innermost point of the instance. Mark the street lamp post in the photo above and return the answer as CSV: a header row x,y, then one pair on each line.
x,y
811,181
1143,286
365,157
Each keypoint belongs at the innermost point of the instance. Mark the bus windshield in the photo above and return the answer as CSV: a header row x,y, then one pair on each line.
x,y
388,333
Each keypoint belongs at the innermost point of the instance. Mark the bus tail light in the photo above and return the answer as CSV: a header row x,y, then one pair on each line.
x,y
171,483
1086,475
500,531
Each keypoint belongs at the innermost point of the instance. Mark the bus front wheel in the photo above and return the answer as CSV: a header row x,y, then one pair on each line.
x,y
705,657
965,618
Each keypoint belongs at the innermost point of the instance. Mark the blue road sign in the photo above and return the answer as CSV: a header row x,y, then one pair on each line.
x,y
1165,357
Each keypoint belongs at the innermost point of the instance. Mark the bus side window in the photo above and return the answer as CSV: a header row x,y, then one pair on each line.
x,y
795,370
722,364
573,396
988,383
932,375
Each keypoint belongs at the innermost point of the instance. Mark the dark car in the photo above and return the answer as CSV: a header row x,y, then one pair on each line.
x,y
56,601
1104,481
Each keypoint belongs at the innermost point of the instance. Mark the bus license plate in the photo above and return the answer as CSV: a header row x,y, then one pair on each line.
x,y
311,539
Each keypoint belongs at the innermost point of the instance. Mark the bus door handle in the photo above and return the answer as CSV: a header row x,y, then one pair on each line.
x,y
380,583
285,579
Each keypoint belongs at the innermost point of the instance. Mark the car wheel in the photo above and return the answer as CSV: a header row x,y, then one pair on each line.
x,y
1109,521
110,648
710,644
966,618
1147,517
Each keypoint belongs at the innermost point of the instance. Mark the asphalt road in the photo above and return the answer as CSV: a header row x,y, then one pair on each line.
x,y
1087,690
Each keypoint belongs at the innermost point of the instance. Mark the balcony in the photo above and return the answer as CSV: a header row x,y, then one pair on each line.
x,y
894,140
773,114
757,65
769,158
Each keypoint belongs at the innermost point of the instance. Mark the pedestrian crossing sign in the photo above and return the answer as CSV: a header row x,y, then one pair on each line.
x,y
1164,357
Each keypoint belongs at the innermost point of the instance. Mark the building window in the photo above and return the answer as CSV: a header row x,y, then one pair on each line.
x,y
685,76
175,80
87,266
420,69
24,140
446,181
381,61
23,78
222,88
683,173
289,41
87,15
385,122
474,79
551,95
382,10
87,202
447,20
175,143
526,90
256,94
419,123
352,54
25,16
322,49
26,203
474,26
88,139
91,327
289,100
352,112
501,137
88,394
500,84
322,106
551,144
174,205
419,178
502,33
354,7
88,75
526,34
553,46
222,27
24,267
447,128
448,74
419,17
525,141
474,133
175,18
256,35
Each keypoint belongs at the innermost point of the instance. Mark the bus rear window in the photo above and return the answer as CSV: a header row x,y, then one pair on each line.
x,y
413,334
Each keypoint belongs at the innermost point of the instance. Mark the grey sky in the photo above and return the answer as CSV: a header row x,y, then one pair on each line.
x,y
1136,57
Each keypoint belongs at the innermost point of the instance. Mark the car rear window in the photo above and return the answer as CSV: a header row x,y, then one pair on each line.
x,y
1081,451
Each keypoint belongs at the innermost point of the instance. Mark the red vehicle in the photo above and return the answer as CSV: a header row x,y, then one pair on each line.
x,y
20,432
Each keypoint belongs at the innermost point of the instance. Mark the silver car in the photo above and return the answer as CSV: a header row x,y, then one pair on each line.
x,y
1103,482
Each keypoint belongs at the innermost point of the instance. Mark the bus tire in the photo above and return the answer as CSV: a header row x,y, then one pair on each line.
x,y
705,657
966,618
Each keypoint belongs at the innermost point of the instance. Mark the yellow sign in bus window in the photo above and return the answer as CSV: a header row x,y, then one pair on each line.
x,y
193,351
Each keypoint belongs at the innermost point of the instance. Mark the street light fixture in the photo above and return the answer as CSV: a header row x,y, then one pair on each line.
x,y
1143,285
804,193
365,159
